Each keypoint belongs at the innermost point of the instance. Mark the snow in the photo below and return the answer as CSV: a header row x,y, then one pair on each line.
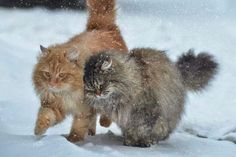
x,y
171,25
180,145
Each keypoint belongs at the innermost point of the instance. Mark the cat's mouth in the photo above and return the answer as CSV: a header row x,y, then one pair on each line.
x,y
54,89
59,88
102,95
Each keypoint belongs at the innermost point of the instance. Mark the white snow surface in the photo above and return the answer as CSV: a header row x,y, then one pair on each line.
x,y
171,25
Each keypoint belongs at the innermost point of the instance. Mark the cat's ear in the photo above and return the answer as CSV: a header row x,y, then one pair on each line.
x,y
44,51
106,64
73,55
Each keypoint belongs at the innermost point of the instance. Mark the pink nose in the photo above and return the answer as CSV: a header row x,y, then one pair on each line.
x,y
53,83
98,93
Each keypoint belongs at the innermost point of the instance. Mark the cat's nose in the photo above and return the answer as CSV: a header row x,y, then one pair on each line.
x,y
98,93
53,83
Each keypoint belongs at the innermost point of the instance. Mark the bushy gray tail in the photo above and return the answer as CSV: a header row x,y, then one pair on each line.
x,y
196,70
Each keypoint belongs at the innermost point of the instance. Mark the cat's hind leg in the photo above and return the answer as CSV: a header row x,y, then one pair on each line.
x,y
139,130
161,129
146,134
135,139
92,124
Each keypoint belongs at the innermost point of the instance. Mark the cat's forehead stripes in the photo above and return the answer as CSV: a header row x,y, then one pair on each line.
x,y
94,64
54,62
93,69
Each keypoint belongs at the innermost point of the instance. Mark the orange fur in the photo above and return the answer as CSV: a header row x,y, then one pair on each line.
x,y
54,69
102,15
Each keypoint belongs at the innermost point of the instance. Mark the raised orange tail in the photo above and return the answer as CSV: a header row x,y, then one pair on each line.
x,y
102,15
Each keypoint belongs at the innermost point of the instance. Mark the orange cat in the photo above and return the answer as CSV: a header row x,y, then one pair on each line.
x,y
59,83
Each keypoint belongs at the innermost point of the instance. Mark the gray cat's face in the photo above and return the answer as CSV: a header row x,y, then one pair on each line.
x,y
103,86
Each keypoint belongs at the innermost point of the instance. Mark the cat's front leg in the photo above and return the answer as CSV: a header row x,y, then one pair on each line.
x,y
105,121
79,129
46,118
50,113
82,122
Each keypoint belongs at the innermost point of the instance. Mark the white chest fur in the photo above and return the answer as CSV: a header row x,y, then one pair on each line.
x,y
71,102
122,116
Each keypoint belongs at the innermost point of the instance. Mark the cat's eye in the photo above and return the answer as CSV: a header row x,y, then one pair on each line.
x,y
104,86
61,75
89,90
46,74
105,92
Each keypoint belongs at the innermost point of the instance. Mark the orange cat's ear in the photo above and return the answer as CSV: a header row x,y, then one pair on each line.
x,y
73,55
106,64
44,52
43,49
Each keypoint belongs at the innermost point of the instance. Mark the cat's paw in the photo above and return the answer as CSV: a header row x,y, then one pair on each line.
x,y
140,143
105,121
42,124
91,132
75,137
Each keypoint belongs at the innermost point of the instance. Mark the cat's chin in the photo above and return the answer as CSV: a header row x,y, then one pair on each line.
x,y
102,96
54,90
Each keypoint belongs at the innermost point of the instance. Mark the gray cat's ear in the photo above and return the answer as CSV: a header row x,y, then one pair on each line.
x,y
73,55
106,64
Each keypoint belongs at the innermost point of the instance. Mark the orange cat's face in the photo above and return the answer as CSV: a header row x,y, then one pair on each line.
x,y
55,73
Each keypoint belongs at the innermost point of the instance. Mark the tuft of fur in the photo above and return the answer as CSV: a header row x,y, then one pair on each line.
x,y
143,92
56,66
196,70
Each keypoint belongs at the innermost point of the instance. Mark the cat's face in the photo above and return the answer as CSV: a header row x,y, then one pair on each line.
x,y
55,73
103,85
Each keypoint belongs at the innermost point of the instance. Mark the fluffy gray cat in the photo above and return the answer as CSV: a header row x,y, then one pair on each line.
x,y
143,91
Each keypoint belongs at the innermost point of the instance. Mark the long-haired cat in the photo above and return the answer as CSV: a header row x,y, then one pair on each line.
x,y
59,83
144,92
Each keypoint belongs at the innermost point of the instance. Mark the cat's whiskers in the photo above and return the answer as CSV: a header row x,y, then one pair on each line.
x,y
59,89
91,101
54,89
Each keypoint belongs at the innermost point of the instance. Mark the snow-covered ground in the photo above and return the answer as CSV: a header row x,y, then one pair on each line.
x,y
172,25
